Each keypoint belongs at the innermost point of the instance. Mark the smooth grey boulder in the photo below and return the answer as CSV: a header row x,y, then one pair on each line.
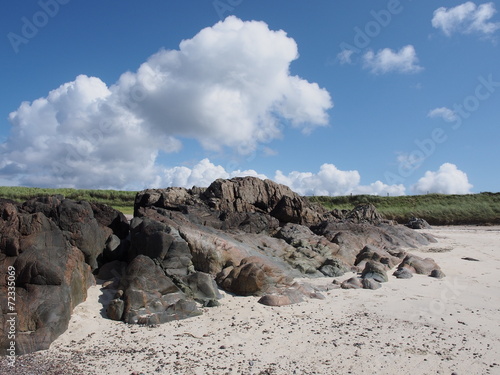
x,y
376,271
403,273
352,283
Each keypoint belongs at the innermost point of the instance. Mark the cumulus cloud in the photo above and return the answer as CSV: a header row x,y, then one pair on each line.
x,y
65,139
466,18
387,60
201,174
448,179
228,86
446,114
330,181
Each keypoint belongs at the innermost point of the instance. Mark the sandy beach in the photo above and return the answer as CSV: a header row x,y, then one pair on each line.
x,y
420,325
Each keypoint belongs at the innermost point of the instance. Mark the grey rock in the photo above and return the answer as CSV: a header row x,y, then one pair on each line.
x,y
403,273
418,223
372,253
115,309
203,288
437,273
371,284
333,268
150,297
364,214
419,265
352,283
376,271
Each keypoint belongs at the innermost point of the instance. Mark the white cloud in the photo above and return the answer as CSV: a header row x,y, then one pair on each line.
x,y
228,86
201,174
345,56
387,60
466,18
446,114
330,181
78,136
448,179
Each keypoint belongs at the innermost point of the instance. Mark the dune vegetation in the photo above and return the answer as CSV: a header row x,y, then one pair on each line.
x,y
436,209
120,200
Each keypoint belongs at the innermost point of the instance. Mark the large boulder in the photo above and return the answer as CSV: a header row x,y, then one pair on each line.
x,y
352,283
246,194
159,241
51,277
251,277
86,233
202,288
333,268
421,266
295,293
376,271
150,297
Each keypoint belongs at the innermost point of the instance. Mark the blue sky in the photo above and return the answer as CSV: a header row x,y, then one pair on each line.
x,y
329,97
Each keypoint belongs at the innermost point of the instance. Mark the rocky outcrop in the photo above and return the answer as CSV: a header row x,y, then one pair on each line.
x,y
225,198
254,235
160,242
364,214
389,258
417,223
51,275
244,235
77,220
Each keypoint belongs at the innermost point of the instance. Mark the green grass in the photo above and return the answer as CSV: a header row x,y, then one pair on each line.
x,y
121,200
437,209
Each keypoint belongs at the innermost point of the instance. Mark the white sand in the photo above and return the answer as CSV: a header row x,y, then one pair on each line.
x,y
416,326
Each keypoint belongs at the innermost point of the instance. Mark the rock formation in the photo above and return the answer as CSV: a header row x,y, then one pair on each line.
x,y
417,223
254,236
244,235
46,242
